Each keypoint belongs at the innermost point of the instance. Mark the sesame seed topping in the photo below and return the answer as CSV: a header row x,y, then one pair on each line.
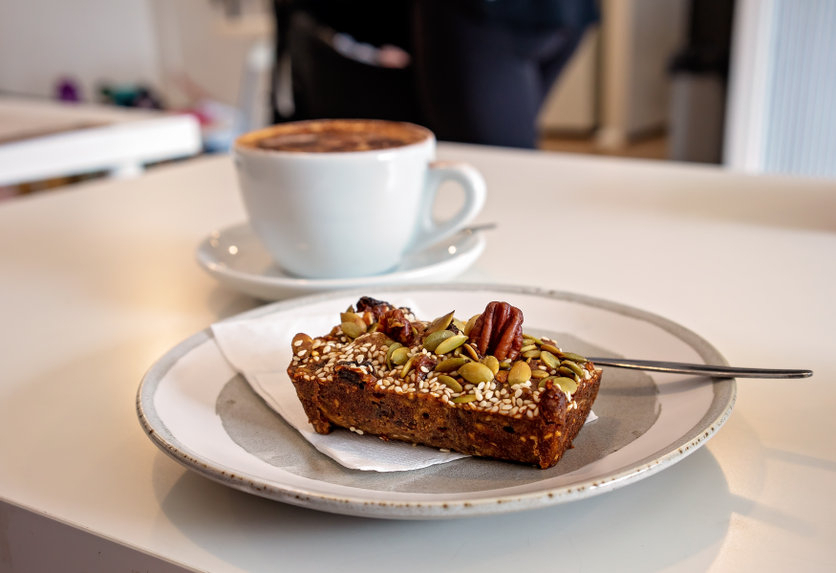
x,y
369,356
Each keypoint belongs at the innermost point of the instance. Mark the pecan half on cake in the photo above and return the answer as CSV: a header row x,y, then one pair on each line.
x,y
481,387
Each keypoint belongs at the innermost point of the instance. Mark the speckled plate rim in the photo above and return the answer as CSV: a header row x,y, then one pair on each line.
x,y
362,502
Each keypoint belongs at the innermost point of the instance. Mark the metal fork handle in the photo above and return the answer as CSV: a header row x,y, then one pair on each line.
x,y
703,369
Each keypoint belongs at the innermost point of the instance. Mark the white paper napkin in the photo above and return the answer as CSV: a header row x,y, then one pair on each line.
x,y
259,349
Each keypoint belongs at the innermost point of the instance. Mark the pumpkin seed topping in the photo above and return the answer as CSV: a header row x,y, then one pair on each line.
x,y
492,363
451,364
446,365
440,323
476,373
450,343
520,373
574,357
354,327
432,341
450,382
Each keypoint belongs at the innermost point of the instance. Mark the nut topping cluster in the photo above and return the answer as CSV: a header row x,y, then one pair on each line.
x,y
498,331
396,326
487,362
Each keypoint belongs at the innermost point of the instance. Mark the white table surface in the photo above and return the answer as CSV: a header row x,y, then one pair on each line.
x,y
41,139
98,281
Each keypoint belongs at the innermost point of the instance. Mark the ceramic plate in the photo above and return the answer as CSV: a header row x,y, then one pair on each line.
x,y
215,425
236,258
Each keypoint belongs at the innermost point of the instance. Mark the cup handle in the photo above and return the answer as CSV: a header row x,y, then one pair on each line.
x,y
428,231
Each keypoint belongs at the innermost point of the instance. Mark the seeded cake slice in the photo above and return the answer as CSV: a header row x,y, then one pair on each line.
x,y
481,387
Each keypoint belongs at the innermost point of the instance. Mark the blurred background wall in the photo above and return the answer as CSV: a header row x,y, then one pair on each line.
x,y
90,40
623,85
191,48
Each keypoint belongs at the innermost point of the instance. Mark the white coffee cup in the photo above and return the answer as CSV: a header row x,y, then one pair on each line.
x,y
324,211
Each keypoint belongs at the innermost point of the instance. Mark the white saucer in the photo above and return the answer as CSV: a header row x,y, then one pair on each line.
x,y
236,258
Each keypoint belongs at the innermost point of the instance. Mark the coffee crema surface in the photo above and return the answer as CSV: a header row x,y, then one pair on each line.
x,y
335,135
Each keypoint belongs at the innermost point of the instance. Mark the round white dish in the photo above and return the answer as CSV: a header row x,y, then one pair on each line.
x,y
236,258
215,425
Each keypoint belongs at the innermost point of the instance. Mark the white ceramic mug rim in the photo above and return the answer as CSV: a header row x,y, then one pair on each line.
x,y
239,147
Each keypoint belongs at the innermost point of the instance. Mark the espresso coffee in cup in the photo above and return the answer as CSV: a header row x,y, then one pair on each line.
x,y
337,136
340,198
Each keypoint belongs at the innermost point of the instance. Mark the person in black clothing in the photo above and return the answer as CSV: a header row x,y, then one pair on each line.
x,y
473,71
